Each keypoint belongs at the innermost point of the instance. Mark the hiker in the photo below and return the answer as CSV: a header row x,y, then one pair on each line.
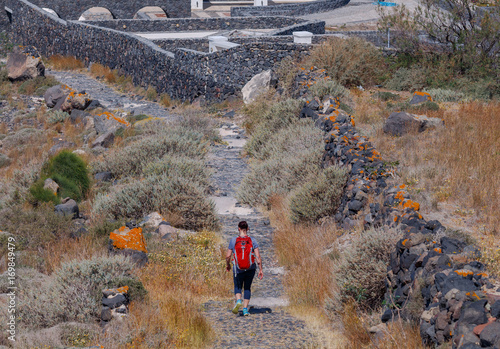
x,y
245,252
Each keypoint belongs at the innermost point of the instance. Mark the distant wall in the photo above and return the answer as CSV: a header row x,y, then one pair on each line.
x,y
73,9
183,74
299,9
188,24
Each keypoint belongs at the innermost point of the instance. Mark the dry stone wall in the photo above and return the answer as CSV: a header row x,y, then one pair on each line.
x,y
298,9
183,74
431,275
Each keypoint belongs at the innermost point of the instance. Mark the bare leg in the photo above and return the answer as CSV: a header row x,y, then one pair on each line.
x,y
238,296
245,303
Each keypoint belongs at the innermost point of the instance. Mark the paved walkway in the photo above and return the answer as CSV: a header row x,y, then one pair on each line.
x,y
269,325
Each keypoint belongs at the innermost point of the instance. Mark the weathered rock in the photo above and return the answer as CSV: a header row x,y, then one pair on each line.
x,y
104,140
60,145
77,116
114,301
76,100
257,85
495,309
420,97
103,176
473,313
51,185
55,95
24,63
129,242
69,208
490,336
400,123
165,230
105,314
152,220
108,122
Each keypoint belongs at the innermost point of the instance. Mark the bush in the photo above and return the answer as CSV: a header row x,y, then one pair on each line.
x,y
405,79
132,159
324,88
73,293
55,116
443,95
39,194
387,96
362,268
4,160
65,62
24,137
319,197
161,193
151,93
302,134
279,116
351,62
70,172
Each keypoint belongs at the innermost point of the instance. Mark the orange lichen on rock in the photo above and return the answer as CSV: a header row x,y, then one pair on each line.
x,y
128,238
464,272
411,204
420,93
109,115
438,250
483,275
404,242
399,195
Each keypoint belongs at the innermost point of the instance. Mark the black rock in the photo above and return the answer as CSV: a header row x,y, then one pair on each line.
x,y
473,313
450,245
355,205
495,309
106,314
103,176
70,208
307,112
115,301
490,335
387,315
77,115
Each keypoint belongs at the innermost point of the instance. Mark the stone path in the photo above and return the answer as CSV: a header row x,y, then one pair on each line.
x,y
269,325
108,97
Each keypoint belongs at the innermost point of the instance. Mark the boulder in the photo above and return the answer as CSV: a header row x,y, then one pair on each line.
x,y
69,208
51,185
420,97
129,242
400,123
473,313
490,336
152,220
59,145
77,116
55,95
24,63
108,122
103,176
76,100
257,85
104,140
165,230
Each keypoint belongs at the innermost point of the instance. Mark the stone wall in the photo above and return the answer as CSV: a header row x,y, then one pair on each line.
x,y
433,278
198,24
183,74
299,9
118,8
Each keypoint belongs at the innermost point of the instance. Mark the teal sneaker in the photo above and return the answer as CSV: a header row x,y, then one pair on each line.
x,y
237,306
245,312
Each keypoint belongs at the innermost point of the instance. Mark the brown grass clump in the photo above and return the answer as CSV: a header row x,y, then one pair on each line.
x,y
65,62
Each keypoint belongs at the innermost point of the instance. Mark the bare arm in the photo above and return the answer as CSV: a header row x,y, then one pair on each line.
x,y
229,253
259,262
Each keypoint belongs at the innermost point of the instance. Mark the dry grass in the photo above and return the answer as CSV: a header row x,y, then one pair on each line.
x,y
65,62
179,277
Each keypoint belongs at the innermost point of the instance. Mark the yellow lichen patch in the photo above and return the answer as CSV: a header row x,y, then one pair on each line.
x,y
438,250
128,238
399,195
420,93
123,289
483,275
410,204
464,272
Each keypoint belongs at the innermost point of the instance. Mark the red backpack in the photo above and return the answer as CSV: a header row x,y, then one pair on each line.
x,y
243,253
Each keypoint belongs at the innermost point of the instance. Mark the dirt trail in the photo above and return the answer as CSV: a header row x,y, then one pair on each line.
x,y
269,325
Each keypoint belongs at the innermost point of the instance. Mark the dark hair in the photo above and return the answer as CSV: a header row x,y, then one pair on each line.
x,y
243,225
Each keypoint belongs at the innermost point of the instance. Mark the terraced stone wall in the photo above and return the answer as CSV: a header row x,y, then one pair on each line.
x,y
183,74
298,9
433,276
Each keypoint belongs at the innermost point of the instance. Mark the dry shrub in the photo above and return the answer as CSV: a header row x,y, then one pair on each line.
x,y
362,267
402,332
354,327
59,62
101,71
351,62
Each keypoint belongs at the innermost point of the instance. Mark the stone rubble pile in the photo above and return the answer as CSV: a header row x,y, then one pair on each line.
x,y
459,302
115,303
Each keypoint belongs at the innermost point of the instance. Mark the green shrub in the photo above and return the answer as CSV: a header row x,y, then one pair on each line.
x,y
405,79
387,96
70,172
351,62
73,293
151,93
55,116
161,193
134,118
362,268
319,197
324,88
279,116
39,194
443,95
29,87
